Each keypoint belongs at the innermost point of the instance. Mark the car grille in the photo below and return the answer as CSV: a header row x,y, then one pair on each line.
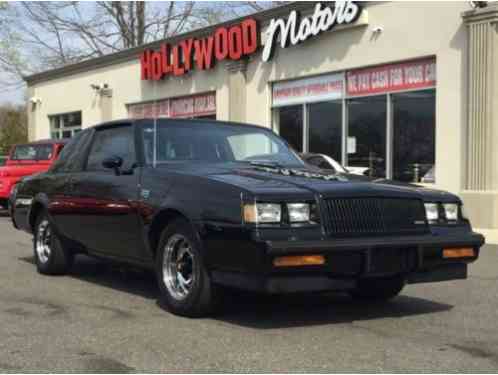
x,y
373,216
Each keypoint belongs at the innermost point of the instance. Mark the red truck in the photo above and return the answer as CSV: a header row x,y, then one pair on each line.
x,y
25,160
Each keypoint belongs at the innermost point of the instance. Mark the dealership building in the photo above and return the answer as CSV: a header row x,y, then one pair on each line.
x,y
406,89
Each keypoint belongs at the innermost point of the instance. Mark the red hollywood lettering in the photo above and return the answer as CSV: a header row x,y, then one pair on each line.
x,y
235,43
204,53
186,46
178,70
250,36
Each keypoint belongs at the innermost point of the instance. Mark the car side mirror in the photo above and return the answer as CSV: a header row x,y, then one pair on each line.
x,y
113,162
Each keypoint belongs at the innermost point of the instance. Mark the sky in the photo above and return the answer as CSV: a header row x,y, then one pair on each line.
x,y
16,95
11,95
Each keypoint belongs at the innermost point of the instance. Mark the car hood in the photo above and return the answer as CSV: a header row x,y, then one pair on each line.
x,y
285,181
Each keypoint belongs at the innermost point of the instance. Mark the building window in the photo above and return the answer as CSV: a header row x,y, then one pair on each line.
x,y
378,121
414,133
325,129
290,125
366,142
65,125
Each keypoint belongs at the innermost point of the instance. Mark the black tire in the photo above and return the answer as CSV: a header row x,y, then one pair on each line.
x,y
201,297
59,259
378,289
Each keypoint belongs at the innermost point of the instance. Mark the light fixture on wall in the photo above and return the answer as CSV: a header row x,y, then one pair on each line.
x,y
34,100
102,89
377,30
478,4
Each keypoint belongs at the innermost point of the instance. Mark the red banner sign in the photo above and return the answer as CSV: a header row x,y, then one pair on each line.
x,y
307,90
194,106
394,77
149,110
190,106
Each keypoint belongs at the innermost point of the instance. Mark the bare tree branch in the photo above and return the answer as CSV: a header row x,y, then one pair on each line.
x,y
36,36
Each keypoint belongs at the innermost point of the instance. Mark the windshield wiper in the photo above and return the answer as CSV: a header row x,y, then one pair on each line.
x,y
265,163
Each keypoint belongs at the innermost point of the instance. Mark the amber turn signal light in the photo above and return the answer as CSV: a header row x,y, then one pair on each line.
x,y
464,252
299,260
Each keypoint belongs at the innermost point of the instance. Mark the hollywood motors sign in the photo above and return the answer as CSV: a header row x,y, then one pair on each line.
x,y
242,40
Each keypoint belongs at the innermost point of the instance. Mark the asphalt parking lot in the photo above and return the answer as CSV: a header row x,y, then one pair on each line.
x,y
103,319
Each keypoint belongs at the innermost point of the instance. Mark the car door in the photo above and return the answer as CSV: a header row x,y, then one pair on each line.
x,y
107,198
59,184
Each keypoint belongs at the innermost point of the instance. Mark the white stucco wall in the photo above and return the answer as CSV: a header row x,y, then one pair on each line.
x,y
410,30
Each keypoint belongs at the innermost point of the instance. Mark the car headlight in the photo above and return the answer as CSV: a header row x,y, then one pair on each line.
x,y
263,213
298,212
431,211
451,211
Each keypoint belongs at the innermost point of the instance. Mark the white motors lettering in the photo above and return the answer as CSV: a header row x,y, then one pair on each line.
x,y
294,31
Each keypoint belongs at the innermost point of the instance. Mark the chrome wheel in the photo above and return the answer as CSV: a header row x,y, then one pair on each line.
x,y
178,267
43,241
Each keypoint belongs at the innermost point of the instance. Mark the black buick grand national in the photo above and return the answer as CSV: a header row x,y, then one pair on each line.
x,y
208,204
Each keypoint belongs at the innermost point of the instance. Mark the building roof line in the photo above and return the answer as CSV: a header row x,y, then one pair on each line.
x,y
132,53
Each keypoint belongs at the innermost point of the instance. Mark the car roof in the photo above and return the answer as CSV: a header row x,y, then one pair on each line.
x,y
45,142
176,120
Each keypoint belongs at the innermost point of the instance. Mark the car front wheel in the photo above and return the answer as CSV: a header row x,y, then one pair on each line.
x,y
51,257
185,285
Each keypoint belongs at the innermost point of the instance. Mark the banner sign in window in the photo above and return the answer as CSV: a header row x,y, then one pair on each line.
x,y
190,106
194,106
394,77
149,110
322,88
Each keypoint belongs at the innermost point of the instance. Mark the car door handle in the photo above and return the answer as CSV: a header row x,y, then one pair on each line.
x,y
71,182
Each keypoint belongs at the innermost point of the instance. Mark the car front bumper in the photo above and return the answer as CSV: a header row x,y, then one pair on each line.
x,y
418,258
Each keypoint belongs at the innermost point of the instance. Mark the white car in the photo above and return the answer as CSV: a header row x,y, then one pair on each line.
x,y
323,161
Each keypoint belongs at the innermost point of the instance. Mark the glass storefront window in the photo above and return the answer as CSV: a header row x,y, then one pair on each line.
x,y
366,143
414,128
290,125
325,129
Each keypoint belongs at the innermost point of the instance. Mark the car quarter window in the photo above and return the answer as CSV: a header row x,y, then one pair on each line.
x,y
111,142
71,157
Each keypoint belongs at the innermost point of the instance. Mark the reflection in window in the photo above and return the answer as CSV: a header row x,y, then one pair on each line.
x,y
367,134
325,121
414,136
291,126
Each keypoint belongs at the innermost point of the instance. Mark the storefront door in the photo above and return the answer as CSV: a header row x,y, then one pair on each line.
x,y
291,120
366,139
414,119
325,129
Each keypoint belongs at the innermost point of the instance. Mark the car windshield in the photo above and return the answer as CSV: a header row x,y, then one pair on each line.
x,y
215,143
32,152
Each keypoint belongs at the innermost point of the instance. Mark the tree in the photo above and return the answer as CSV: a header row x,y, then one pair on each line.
x,y
37,36
13,127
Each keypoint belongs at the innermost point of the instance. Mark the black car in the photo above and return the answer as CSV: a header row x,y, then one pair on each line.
x,y
209,204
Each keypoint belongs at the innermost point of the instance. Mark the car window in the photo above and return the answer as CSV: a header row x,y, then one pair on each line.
x,y
32,152
214,142
112,142
71,157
